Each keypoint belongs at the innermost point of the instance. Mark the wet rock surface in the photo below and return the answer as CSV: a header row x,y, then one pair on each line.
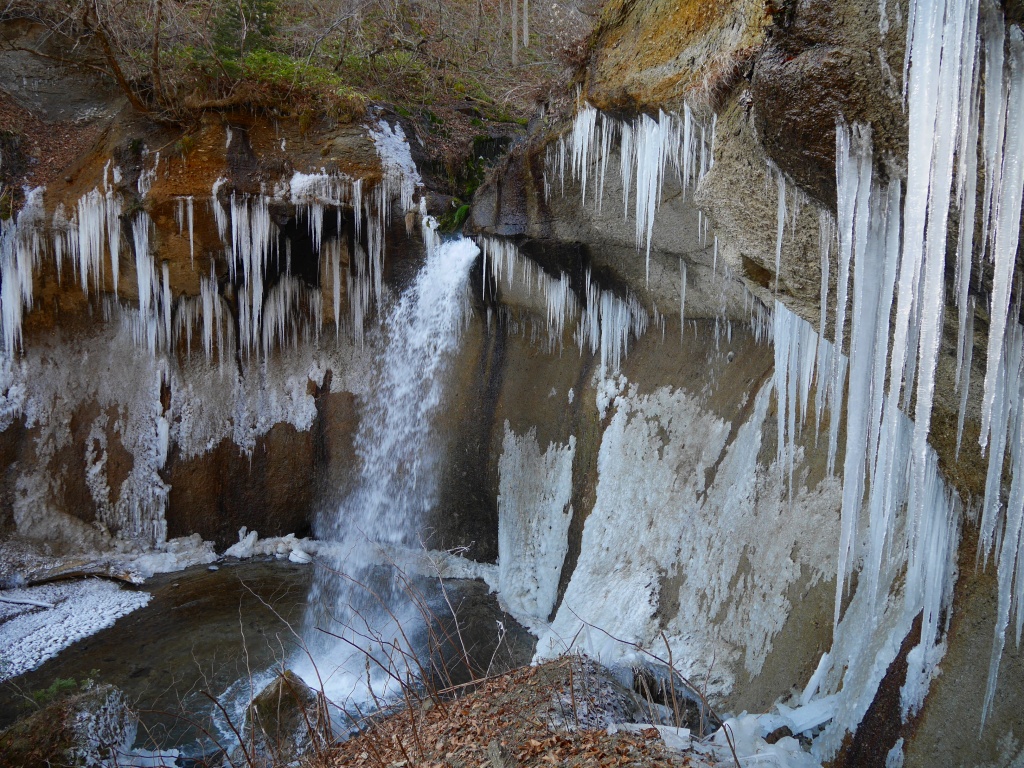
x,y
828,61
286,720
270,491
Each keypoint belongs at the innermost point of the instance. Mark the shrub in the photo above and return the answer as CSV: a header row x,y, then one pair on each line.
x,y
240,26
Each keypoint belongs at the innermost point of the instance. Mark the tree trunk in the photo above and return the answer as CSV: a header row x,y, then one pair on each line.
x,y
109,55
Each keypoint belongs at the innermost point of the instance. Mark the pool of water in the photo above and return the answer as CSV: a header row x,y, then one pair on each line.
x,y
220,636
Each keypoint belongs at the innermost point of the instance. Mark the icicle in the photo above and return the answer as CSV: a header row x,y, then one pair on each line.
x,y
191,233
967,193
334,254
210,298
113,210
357,207
92,223
143,261
1005,223
627,157
964,375
582,143
607,129
995,111
648,150
780,217
846,195
682,299
826,234
166,301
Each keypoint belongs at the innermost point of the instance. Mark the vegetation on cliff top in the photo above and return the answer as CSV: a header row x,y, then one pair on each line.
x,y
174,59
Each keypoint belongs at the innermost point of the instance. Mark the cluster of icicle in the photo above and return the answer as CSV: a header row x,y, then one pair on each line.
x,y
907,563
898,518
954,47
606,322
90,238
289,311
791,200
1002,528
649,149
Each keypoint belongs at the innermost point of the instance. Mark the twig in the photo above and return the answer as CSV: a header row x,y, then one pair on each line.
x,y
672,681
644,651
22,601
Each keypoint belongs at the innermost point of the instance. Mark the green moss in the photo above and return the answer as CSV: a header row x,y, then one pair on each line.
x,y
453,220
59,688
63,687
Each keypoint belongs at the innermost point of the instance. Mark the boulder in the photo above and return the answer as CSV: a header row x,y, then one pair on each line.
x,y
87,730
286,720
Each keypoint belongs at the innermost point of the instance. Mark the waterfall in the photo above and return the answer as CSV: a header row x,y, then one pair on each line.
x,y
358,596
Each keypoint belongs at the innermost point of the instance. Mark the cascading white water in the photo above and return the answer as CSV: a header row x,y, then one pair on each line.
x,y
357,597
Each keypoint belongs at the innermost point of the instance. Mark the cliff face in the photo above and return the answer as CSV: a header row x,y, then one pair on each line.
x,y
778,82
619,432
132,408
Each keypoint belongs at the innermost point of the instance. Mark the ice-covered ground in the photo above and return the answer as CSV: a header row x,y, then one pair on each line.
x,y
51,617
38,622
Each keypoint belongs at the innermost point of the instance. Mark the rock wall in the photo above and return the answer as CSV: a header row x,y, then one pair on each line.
x,y
138,403
612,436
799,68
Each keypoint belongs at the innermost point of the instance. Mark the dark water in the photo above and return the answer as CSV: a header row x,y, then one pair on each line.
x,y
221,635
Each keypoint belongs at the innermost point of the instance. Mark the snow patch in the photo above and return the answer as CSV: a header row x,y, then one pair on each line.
x,y
30,636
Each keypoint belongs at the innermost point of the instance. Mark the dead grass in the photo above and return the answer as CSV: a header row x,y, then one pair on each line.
x,y
508,719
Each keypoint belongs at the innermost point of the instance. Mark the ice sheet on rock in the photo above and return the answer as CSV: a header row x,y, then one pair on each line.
x,y
894,758
209,404
534,513
742,733
396,157
80,609
684,513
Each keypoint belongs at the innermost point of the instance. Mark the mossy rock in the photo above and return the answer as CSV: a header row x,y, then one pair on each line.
x,y
88,729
